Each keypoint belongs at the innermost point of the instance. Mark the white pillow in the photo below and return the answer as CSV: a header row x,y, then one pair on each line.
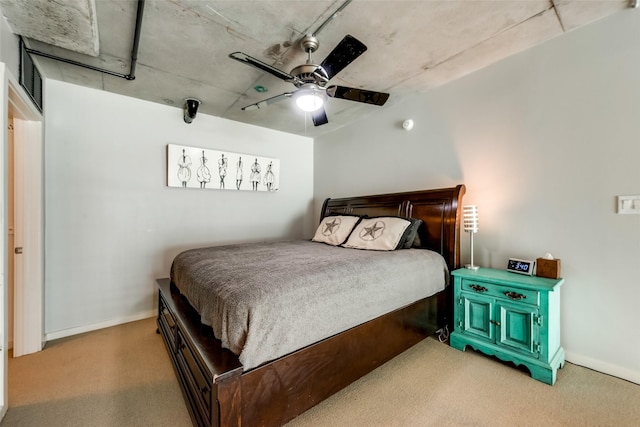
x,y
335,229
379,234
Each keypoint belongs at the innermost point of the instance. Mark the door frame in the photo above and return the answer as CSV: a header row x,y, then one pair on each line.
x,y
15,102
28,336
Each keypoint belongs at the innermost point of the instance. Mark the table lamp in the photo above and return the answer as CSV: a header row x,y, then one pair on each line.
x,y
470,223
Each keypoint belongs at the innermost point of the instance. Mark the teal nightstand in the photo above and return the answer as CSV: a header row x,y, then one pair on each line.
x,y
511,316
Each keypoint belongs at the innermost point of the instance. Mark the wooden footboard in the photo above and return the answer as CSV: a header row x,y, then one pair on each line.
x,y
218,393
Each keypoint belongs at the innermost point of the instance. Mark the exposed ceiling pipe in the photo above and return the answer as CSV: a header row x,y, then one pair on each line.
x,y
136,41
332,17
134,51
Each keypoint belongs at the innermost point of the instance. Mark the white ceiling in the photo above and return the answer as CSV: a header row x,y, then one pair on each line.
x,y
184,46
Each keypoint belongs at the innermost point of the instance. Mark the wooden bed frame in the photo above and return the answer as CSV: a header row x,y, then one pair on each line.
x,y
218,392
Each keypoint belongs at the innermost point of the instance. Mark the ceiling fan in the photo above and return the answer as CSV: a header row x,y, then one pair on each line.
x,y
311,79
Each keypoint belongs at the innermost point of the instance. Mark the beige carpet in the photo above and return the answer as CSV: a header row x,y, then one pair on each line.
x,y
122,376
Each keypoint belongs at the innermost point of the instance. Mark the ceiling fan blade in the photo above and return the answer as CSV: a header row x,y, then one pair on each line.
x,y
319,117
244,58
267,102
359,95
342,55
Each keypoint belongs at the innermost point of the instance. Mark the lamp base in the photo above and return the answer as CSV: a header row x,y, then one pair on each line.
x,y
472,267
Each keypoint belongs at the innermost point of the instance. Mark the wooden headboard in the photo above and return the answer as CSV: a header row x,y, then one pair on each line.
x,y
440,210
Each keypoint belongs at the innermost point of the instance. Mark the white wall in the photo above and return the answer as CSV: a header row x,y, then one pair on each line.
x,y
544,141
9,47
111,224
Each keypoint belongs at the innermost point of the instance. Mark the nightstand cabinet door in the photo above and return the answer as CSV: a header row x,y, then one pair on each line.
x,y
477,316
519,328
513,317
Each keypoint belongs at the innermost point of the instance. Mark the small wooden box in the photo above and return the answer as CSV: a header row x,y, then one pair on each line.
x,y
549,268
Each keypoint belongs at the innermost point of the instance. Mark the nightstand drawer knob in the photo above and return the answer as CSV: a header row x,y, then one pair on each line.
x,y
478,288
515,295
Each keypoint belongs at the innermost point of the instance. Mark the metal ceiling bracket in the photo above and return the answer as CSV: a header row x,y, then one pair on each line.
x,y
134,51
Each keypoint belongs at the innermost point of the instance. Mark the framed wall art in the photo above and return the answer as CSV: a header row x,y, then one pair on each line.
x,y
203,168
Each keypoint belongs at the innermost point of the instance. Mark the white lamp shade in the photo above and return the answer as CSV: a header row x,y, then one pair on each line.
x,y
470,218
309,100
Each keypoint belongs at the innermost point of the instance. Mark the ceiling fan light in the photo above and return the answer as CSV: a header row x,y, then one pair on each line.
x,y
309,101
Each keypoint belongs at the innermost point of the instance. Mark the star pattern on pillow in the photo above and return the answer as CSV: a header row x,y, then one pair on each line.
x,y
335,229
330,226
372,232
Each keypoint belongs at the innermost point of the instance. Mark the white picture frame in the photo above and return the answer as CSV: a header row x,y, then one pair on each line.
x,y
205,169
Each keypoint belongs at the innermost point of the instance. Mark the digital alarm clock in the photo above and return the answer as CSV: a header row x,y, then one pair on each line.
x,y
521,266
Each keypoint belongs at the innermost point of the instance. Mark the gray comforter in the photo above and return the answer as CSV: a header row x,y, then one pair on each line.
x,y
265,300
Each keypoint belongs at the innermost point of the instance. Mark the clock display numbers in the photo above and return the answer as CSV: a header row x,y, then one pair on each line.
x,y
520,266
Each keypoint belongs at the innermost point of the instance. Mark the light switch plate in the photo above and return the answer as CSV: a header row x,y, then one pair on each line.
x,y
629,204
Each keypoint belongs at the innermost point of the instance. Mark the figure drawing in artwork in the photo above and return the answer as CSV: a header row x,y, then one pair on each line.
x,y
203,173
239,173
184,169
269,177
222,170
255,175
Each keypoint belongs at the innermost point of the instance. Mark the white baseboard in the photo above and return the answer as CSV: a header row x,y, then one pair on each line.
x,y
95,326
604,367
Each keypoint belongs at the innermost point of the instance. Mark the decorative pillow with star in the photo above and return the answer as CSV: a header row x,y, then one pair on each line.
x,y
335,229
379,234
